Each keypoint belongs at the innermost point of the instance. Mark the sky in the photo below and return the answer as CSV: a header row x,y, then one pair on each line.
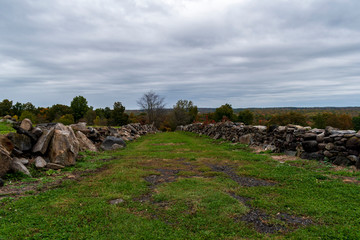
x,y
248,53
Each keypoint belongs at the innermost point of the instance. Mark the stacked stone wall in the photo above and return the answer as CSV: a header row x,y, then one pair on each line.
x,y
341,147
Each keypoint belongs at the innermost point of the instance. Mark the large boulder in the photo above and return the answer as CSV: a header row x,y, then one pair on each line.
x,y
5,161
110,141
21,141
42,144
85,143
64,146
26,124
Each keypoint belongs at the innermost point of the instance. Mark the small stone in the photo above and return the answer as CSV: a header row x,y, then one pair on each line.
x,y
329,146
40,162
116,201
320,137
54,166
328,154
22,160
353,158
17,166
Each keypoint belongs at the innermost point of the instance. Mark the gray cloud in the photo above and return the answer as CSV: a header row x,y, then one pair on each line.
x,y
250,53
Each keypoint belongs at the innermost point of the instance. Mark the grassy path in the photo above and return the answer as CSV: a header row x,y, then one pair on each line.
x,y
181,186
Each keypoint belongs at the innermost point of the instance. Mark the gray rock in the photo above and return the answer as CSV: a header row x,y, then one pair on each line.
x,y
310,146
320,137
357,164
310,136
353,143
110,141
22,160
26,124
42,144
64,146
341,161
328,154
353,159
321,146
20,141
329,146
246,139
54,166
85,143
40,162
17,166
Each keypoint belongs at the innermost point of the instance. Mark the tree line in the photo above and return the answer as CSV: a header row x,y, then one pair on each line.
x,y
184,112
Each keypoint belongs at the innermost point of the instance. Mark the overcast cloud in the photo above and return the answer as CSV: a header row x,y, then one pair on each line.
x,y
249,53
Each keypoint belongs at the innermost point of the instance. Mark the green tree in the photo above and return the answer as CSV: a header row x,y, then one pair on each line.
x,y
118,115
90,116
224,112
58,110
17,109
5,107
79,106
184,112
246,117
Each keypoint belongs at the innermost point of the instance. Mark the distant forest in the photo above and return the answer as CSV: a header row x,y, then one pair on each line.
x,y
153,111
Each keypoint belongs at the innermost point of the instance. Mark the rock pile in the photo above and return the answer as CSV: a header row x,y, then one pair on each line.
x,y
55,145
341,147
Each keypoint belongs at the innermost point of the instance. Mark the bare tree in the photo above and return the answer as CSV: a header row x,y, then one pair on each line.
x,y
153,105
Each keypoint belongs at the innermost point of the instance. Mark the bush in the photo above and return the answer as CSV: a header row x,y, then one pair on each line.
x,y
29,115
66,119
246,117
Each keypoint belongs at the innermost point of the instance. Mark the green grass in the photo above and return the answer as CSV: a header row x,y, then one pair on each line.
x,y
5,128
195,204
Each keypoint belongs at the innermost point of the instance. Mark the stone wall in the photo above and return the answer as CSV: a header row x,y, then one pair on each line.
x,y
55,145
341,147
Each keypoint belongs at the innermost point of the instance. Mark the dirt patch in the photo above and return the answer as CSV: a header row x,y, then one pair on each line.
x,y
241,180
265,223
283,158
261,223
167,175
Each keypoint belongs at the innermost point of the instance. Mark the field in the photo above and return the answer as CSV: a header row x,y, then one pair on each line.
x,y
182,186
5,128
